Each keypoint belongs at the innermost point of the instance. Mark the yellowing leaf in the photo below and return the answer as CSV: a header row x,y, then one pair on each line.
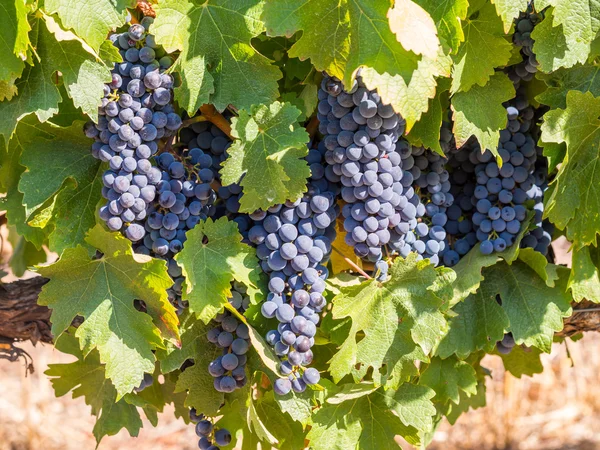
x,y
414,28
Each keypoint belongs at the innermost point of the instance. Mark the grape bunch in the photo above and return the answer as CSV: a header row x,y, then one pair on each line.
x,y
210,436
136,112
361,134
233,337
524,25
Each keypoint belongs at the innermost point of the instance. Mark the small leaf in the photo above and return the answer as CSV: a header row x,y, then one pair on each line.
x,y
414,28
212,257
582,78
102,291
523,361
268,154
485,48
14,38
509,10
447,377
584,280
479,112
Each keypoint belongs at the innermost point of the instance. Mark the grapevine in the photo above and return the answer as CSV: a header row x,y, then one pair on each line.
x,y
304,227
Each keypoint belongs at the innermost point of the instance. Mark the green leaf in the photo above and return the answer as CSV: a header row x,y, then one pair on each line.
x,y
102,291
91,20
564,37
412,403
583,78
485,48
414,28
14,38
523,361
509,10
24,253
575,198
359,417
217,62
447,15
479,323
83,75
212,257
268,153
86,377
426,132
195,380
447,377
469,268
467,402
584,280
535,310
479,112
341,36
410,99
400,319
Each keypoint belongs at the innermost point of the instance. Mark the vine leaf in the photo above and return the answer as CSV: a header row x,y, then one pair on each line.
x,y
564,37
523,361
24,253
466,402
91,20
509,10
103,291
59,165
212,257
86,378
478,324
485,48
447,377
360,416
217,62
14,39
447,16
534,309
426,132
583,78
59,52
267,156
410,99
195,380
341,36
400,319
584,280
575,197
479,112
414,28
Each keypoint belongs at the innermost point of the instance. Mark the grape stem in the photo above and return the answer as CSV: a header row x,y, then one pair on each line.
x,y
352,264
312,127
217,119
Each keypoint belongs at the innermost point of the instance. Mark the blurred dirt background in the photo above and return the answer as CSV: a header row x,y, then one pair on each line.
x,y
556,410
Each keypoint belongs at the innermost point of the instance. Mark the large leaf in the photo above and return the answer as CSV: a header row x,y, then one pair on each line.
x,y
400,319
485,48
414,28
91,20
479,112
410,99
447,15
102,291
268,154
217,60
14,39
564,37
59,52
359,416
341,36
86,377
212,257
575,198
583,78
59,162
534,309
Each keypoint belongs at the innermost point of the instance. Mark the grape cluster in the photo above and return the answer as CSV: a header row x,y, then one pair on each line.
x,y
361,134
233,337
293,241
136,112
506,345
524,25
146,382
210,436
